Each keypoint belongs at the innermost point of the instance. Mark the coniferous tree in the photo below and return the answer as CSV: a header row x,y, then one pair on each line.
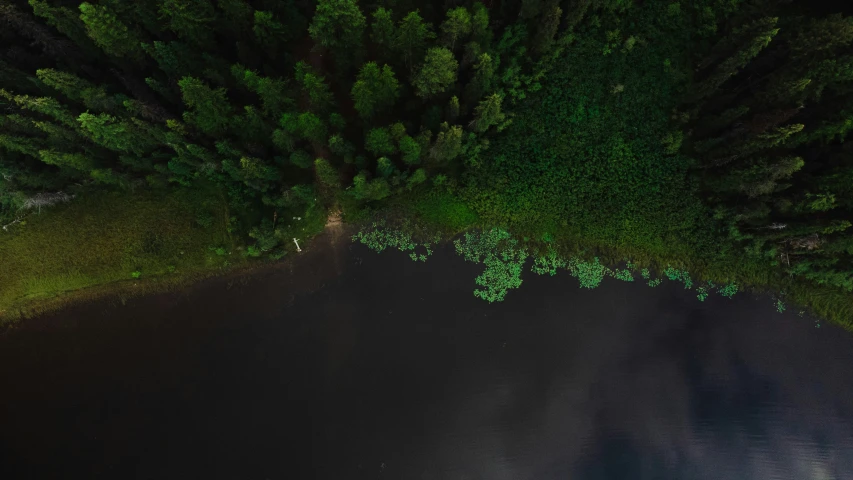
x,y
448,143
437,74
382,31
488,113
209,109
413,35
190,19
550,23
756,37
375,89
339,26
456,27
108,32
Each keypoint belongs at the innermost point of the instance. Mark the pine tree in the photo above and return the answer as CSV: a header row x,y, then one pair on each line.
x,y
65,20
312,128
413,35
301,159
129,136
315,87
550,23
410,150
270,33
209,109
457,26
75,88
382,30
12,19
375,90
480,31
74,161
576,11
756,37
237,17
531,8
44,105
339,26
190,19
488,113
453,109
273,92
379,142
108,32
437,74
448,143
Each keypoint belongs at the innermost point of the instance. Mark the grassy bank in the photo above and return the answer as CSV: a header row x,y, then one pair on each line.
x,y
139,242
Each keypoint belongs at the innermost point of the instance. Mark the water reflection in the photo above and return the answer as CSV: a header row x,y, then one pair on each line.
x,y
394,370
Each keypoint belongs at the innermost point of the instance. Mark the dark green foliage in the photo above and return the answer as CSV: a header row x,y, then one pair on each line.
x,y
190,19
382,30
410,150
375,89
365,189
270,32
448,143
710,133
379,142
314,87
108,32
456,27
311,127
326,173
413,35
488,113
544,39
301,159
338,24
273,92
437,74
210,110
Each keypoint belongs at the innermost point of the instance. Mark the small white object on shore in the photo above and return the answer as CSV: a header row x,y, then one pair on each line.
x,y
297,245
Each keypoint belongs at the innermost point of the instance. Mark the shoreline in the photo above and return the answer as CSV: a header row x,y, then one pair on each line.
x,y
318,250
320,260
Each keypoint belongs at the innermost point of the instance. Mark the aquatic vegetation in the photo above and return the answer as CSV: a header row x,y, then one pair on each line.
x,y
679,275
548,263
702,293
379,237
625,275
501,255
590,274
728,290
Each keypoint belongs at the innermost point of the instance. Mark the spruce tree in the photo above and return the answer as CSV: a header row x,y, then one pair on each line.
x,y
456,27
375,90
108,32
209,109
488,113
190,19
437,74
413,36
382,31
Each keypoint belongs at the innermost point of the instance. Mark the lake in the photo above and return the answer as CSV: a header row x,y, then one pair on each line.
x,y
347,364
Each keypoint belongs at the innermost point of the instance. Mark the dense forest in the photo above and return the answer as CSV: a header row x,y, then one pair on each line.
x,y
707,134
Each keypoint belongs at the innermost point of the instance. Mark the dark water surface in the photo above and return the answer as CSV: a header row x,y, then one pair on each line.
x,y
394,370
